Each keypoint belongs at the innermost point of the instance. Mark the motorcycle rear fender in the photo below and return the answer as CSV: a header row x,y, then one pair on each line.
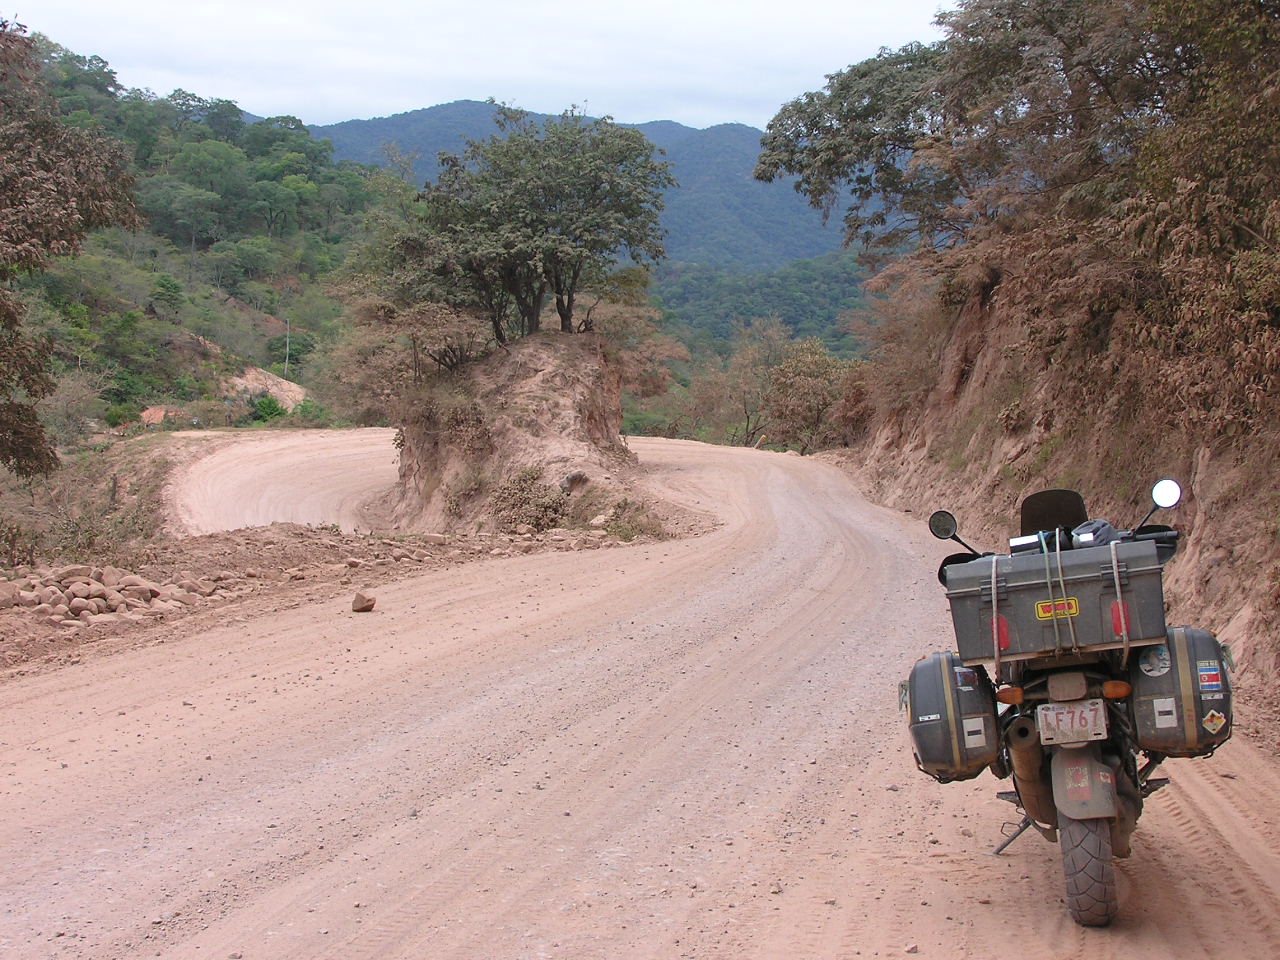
x,y
1084,788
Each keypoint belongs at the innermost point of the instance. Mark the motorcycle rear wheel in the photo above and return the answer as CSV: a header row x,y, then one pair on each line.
x,y
1089,870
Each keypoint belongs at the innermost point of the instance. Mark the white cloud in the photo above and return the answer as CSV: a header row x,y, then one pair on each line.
x,y
698,63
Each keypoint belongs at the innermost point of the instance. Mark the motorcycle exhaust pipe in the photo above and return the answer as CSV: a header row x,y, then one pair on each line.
x,y
1028,760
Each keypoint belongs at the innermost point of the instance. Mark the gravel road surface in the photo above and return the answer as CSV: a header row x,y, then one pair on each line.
x,y
684,749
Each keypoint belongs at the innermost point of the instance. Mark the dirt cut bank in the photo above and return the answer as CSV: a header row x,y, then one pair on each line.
x,y
526,437
1008,400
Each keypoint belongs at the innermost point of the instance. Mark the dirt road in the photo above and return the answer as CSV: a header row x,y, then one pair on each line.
x,y
293,476
687,749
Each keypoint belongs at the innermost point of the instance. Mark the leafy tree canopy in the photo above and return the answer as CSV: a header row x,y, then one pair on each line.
x,y
57,182
537,211
1111,160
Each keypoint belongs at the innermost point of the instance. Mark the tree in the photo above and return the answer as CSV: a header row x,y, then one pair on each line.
x,y
57,182
805,391
726,402
863,133
1022,105
542,210
168,294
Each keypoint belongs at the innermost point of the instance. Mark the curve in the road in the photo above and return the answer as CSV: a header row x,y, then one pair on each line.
x,y
315,477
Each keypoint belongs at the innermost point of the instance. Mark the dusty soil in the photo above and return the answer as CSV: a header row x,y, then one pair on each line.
x,y
295,476
679,749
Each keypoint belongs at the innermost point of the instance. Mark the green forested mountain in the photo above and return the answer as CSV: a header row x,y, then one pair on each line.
x,y
718,215
241,223
703,302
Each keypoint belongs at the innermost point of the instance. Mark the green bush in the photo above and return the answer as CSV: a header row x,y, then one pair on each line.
x,y
119,413
267,407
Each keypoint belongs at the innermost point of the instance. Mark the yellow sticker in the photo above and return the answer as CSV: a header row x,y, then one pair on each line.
x,y
1057,609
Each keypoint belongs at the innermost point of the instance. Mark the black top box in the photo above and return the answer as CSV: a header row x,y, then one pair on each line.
x,y
1055,603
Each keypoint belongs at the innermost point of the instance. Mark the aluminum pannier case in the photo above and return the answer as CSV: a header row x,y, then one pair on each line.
x,y
1182,694
952,712
1053,603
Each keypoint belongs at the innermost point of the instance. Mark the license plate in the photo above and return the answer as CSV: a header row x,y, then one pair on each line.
x,y
1075,722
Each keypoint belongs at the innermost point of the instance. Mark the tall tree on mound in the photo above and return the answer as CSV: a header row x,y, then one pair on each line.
x,y
56,183
537,211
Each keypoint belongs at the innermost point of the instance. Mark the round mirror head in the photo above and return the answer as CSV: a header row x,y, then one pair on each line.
x,y
943,525
1166,493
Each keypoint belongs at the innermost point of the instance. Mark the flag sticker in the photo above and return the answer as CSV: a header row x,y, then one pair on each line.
x,y
1210,675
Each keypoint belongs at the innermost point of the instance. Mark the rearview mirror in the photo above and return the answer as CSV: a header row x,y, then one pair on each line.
x,y
942,524
1166,494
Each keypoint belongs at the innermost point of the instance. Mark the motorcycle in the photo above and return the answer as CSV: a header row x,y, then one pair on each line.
x,y
1068,681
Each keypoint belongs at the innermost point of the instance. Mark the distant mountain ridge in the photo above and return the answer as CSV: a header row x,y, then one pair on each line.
x,y
719,215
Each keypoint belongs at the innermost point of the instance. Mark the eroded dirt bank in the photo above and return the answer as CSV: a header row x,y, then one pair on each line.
x,y
684,749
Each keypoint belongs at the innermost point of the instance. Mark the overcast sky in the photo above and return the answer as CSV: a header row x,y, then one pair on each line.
x,y
699,62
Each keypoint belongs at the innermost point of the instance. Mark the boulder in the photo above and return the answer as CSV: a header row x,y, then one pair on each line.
x,y
574,481
79,605
96,590
435,539
600,520
363,601
111,576
75,570
51,595
8,594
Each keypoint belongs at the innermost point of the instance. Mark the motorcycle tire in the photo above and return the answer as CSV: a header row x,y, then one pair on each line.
x,y
1089,870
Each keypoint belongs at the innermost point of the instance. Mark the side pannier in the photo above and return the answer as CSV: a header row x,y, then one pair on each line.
x,y
952,713
1182,694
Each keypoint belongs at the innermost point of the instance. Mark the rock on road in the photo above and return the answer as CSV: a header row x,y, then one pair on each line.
x,y
682,749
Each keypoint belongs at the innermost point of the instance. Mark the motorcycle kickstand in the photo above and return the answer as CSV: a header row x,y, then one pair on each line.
x,y
1023,827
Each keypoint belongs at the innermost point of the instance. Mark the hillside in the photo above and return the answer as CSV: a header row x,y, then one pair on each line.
x,y
1093,309
719,215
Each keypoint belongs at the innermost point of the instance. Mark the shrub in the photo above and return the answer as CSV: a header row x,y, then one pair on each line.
x,y
522,498
267,407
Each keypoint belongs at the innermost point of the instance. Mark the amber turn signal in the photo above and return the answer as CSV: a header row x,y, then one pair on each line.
x,y
1116,689
1012,695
